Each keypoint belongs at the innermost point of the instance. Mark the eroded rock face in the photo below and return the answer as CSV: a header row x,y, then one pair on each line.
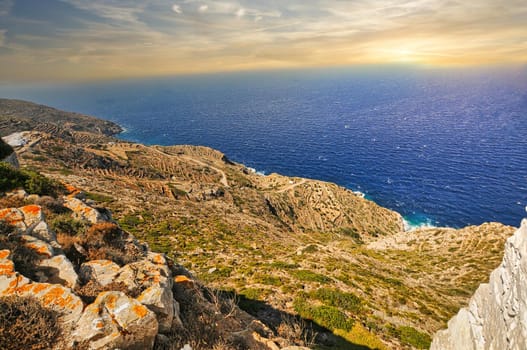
x,y
496,317
116,321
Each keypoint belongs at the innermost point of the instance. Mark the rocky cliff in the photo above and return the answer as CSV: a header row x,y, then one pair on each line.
x,y
496,316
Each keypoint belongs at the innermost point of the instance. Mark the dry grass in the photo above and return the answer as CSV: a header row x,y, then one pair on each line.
x,y
26,325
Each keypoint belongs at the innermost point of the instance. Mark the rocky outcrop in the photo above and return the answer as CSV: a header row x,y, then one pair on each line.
x,y
102,304
116,321
496,317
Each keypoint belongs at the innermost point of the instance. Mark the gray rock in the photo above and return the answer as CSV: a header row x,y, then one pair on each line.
x,y
59,269
496,317
101,271
116,321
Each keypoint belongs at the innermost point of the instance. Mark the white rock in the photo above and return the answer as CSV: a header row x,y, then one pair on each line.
x,y
59,269
116,321
101,271
496,317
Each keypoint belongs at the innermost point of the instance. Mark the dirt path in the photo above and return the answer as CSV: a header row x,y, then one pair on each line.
x,y
223,179
290,187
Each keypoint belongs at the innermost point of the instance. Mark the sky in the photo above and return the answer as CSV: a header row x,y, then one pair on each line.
x,y
56,40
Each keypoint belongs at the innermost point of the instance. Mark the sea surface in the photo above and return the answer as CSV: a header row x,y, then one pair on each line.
x,y
442,147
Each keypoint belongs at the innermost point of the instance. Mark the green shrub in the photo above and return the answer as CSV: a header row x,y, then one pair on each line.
x,y
25,324
310,276
332,297
65,224
31,181
97,197
326,316
411,336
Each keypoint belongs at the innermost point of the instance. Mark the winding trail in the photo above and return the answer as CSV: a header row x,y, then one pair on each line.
x,y
223,179
290,187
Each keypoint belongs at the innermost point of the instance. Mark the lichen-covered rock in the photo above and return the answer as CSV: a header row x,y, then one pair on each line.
x,y
101,271
38,246
116,321
82,211
58,269
496,317
9,278
42,231
13,216
153,276
32,214
161,301
54,296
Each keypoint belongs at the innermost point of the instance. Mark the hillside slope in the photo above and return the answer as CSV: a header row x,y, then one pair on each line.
x,y
282,244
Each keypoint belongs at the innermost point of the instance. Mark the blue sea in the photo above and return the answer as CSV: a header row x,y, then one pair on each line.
x,y
443,147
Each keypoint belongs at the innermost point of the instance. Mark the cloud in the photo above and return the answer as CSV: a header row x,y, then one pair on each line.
x,y
177,9
240,13
122,37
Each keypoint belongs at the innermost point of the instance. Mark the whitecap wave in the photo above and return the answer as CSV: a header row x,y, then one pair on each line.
x,y
410,225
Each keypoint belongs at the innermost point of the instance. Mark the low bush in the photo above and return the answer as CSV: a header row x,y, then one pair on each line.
x,y
25,324
413,337
332,297
31,181
309,276
326,316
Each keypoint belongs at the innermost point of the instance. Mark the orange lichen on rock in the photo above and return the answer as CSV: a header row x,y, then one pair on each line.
x,y
7,267
39,248
31,209
111,301
4,253
72,190
158,259
140,310
54,296
11,216
182,279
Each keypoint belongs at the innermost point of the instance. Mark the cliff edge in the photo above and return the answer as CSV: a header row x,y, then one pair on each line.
x,y
496,317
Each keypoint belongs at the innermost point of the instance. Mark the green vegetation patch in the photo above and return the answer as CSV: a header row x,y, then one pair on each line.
x,y
98,197
326,316
310,276
31,181
333,297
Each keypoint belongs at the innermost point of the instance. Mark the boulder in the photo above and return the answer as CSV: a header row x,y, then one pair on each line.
x,y
58,269
101,271
496,317
153,276
9,278
82,211
41,231
37,245
32,214
53,296
14,217
161,301
114,321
